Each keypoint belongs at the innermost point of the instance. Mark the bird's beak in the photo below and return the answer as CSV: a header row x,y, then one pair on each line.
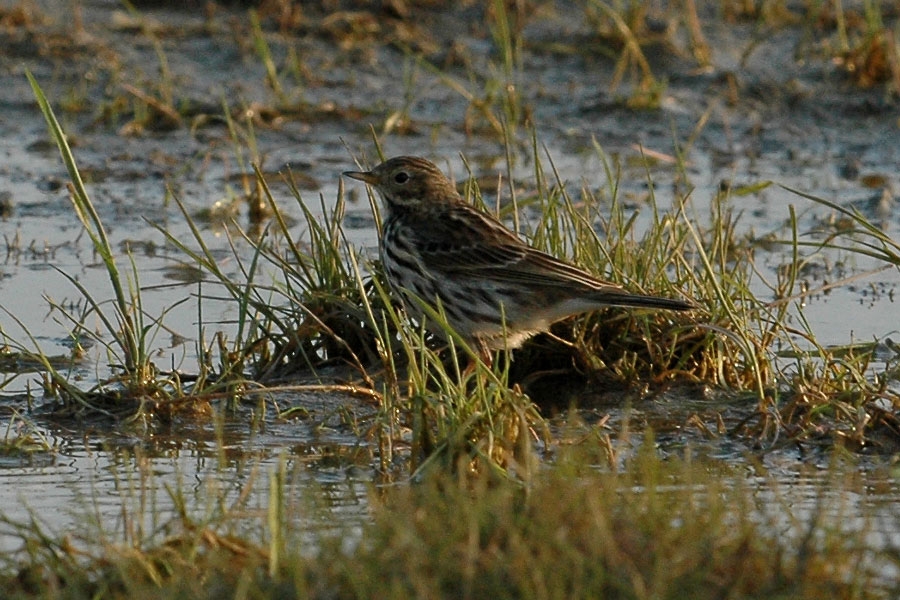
x,y
367,176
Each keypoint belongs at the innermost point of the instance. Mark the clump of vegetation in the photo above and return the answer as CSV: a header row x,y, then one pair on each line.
x,y
331,308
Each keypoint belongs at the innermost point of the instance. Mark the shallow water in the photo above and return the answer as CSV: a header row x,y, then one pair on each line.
x,y
115,482
101,488
800,125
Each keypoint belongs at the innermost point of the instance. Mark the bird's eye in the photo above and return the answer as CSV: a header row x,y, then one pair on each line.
x,y
401,177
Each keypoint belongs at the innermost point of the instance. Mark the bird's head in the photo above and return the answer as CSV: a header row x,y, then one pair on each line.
x,y
408,182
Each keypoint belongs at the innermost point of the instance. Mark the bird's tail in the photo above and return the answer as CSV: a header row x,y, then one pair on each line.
x,y
637,300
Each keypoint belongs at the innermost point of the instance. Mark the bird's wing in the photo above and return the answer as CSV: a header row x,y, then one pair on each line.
x,y
471,244
466,240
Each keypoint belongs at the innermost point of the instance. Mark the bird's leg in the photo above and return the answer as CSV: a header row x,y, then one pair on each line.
x,y
484,353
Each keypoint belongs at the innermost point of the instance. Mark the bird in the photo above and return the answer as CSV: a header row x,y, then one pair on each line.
x,y
494,289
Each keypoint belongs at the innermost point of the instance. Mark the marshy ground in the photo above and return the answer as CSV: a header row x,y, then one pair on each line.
x,y
743,154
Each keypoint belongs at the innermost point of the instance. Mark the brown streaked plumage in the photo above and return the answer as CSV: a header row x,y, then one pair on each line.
x,y
435,246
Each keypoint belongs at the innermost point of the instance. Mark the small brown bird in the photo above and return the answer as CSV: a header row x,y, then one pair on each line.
x,y
495,290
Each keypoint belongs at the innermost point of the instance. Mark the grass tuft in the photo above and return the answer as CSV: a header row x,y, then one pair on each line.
x,y
326,316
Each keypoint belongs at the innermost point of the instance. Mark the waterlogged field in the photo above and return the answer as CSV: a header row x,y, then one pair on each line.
x,y
207,393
